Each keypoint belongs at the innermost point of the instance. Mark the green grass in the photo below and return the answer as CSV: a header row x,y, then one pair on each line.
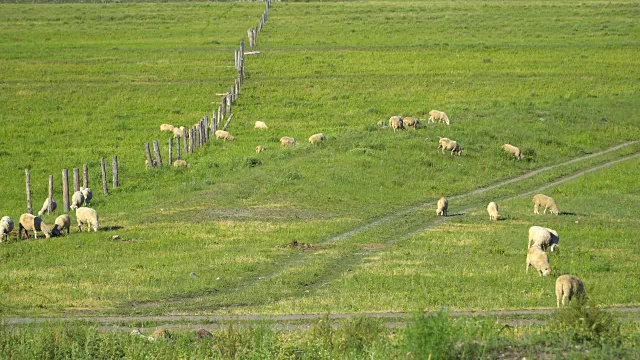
x,y
83,81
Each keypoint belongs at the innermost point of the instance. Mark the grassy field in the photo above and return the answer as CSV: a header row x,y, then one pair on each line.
x,y
83,81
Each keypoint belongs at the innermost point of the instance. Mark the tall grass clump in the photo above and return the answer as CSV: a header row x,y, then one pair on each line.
x,y
583,323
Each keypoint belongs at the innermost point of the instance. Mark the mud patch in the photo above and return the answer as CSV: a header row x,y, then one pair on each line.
x,y
298,245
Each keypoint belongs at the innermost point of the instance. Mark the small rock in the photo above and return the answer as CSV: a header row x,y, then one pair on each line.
x,y
262,277
116,237
218,278
193,274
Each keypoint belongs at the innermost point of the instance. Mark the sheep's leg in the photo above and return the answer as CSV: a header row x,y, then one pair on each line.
x,y
535,209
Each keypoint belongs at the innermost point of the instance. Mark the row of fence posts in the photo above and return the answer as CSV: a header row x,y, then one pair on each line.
x,y
198,135
76,183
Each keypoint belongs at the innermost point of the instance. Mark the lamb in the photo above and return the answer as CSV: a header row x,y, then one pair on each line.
x,y
62,222
396,123
492,209
443,204
89,216
179,131
76,200
6,227
316,138
547,202
45,206
260,125
410,121
514,150
181,164
438,115
287,141
167,127
33,223
567,287
448,144
87,193
222,134
260,149
543,238
539,260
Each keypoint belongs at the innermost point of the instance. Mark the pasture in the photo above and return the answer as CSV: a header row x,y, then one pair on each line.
x,y
84,81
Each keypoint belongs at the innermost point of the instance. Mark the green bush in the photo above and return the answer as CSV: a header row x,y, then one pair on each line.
x,y
582,322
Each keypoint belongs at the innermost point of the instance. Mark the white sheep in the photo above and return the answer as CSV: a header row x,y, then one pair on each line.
x,y
514,150
87,193
89,216
539,260
45,206
316,138
547,202
222,134
448,144
260,125
62,222
396,123
181,164
438,115
568,287
76,200
260,149
167,127
492,209
442,206
411,121
287,141
6,227
543,238
179,131
34,223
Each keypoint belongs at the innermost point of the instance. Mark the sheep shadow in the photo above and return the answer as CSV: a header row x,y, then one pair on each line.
x,y
569,213
111,228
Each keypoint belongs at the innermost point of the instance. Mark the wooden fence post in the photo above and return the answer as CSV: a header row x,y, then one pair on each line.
x,y
156,150
76,179
116,181
170,151
103,165
178,147
214,123
148,154
85,176
28,183
192,142
207,134
50,197
227,123
65,190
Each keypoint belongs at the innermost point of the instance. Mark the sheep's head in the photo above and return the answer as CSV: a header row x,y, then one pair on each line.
x,y
545,271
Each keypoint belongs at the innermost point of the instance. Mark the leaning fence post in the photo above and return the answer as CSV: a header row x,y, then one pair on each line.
x,y
85,176
76,179
103,165
65,190
116,181
28,182
50,197
156,150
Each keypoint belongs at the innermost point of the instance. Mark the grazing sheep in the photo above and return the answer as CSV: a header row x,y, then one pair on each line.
x,y
260,149
221,134
6,227
381,123
316,138
33,223
396,123
62,222
45,206
568,286
547,202
438,115
179,131
181,164
539,260
543,238
87,193
287,141
492,209
167,127
76,200
260,125
448,144
514,150
410,121
443,205
88,216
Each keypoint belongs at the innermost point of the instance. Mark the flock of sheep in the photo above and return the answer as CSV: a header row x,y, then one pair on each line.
x,y
28,222
541,239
